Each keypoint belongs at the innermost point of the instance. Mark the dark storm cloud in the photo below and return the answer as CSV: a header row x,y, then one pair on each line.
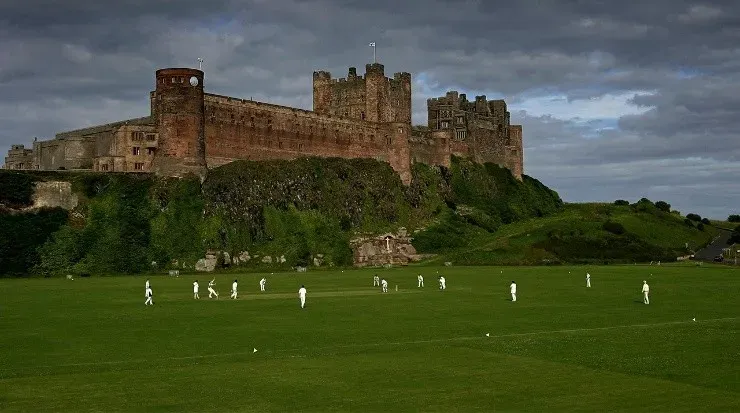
x,y
70,64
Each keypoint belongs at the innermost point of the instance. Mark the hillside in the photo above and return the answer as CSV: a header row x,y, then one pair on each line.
x,y
310,210
579,233
292,211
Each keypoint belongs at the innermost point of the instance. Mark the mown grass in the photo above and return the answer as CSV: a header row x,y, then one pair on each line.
x,y
91,344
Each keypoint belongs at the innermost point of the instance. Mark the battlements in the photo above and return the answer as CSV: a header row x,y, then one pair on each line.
x,y
365,116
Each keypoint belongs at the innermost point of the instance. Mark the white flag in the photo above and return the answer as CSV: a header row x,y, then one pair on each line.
x,y
372,44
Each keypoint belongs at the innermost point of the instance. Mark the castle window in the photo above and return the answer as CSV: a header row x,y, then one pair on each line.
x,y
137,136
363,115
151,136
460,134
139,166
104,167
400,130
280,145
150,151
136,150
387,140
173,80
300,146
459,119
445,124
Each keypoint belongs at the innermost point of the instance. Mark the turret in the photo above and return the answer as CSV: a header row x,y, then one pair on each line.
x,y
321,92
180,121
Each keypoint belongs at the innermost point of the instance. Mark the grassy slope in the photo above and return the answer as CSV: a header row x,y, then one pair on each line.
x,y
531,241
91,345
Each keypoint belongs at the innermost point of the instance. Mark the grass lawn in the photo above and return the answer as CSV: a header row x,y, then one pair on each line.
x,y
91,344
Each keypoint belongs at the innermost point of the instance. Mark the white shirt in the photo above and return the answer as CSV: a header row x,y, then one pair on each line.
x,y
195,287
588,275
147,284
645,288
148,292
262,281
233,286
211,283
302,292
513,288
420,278
385,283
442,280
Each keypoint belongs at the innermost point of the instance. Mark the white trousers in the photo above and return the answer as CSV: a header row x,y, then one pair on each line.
x,y
376,283
262,287
442,286
233,294
421,283
212,292
385,288
303,301
148,301
513,296
588,282
195,295
645,298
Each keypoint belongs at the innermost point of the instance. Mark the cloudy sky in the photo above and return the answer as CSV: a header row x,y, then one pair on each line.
x,y
618,99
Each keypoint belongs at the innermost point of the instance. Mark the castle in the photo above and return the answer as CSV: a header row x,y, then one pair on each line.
x,y
367,116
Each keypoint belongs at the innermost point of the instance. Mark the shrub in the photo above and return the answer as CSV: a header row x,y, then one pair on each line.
x,y
733,218
700,227
621,202
614,227
663,206
16,188
705,221
694,217
688,222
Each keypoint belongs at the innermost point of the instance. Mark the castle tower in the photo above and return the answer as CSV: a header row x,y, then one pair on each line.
x,y
322,92
180,120
376,99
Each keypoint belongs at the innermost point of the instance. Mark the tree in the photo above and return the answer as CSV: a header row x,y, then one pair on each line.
x,y
733,218
694,217
663,206
705,221
621,202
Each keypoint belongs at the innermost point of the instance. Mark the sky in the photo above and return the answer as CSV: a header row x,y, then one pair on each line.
x,y
618,100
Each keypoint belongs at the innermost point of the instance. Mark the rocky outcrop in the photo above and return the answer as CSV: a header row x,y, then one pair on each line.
x,y
385,249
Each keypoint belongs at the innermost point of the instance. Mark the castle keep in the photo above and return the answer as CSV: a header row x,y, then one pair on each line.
x,y
189,130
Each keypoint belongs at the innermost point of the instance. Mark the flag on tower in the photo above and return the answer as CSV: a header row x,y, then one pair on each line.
x,y
372,44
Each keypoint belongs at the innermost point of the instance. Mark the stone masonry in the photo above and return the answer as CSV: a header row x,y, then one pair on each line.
x,y
189,130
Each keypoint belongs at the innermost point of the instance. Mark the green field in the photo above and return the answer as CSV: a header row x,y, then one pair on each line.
x,y
91,345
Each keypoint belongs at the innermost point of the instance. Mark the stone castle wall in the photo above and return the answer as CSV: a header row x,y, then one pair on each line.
x,y
366,116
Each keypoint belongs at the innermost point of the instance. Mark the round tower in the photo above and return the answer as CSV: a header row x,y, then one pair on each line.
x,y
180,120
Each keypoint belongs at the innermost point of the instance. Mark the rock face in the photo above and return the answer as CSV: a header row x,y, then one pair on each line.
x,y
208,263
379,250
54,194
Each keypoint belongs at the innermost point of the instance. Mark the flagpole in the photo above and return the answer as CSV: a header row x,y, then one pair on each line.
x,y
375,58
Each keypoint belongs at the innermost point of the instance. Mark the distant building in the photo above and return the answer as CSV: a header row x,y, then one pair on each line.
x,y
367,116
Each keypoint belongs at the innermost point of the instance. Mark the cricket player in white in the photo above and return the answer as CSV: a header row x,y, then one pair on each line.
x,y
262,284
302,296
376,281
420,281
211,291
148,295
146,286
442,283
513,291
233,290
384,283
645,292
195,290
588,280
